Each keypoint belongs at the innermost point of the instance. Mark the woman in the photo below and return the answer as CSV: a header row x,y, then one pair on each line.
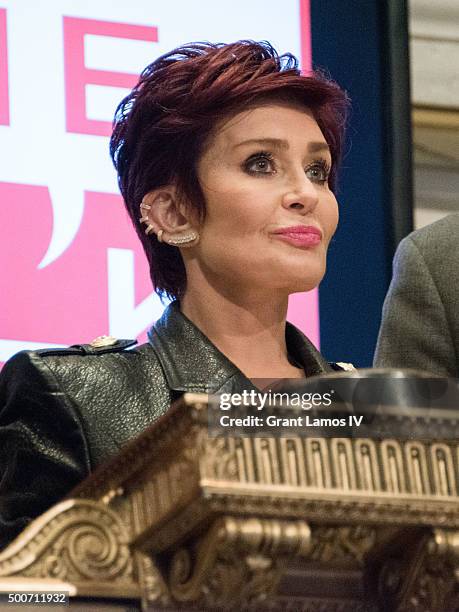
x,y
226,157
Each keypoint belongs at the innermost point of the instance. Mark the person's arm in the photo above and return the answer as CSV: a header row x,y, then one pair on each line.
x,y
414,331
43,452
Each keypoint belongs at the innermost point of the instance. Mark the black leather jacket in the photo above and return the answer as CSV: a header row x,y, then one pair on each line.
x,y
65,411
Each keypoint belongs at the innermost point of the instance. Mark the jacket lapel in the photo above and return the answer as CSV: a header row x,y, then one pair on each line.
x,y
304,352
191,363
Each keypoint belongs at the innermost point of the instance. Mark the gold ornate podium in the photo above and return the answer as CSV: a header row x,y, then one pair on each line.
x,y
180,520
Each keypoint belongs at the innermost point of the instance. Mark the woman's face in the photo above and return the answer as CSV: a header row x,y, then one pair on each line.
x,y
270,214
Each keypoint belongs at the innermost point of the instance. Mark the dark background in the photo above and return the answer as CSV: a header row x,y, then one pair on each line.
x,y
364,47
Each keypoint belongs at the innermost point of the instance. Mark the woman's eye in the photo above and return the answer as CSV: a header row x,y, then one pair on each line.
x,y
262,164
318,173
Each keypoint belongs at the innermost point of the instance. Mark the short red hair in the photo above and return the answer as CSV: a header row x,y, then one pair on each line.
x,y
160,128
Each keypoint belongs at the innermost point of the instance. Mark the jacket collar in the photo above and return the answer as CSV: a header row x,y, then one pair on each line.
x,y
192,363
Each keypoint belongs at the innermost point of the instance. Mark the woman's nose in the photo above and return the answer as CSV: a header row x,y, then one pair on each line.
x,y
301,195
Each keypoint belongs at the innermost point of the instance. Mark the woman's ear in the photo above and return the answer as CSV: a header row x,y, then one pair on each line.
x,y
162,214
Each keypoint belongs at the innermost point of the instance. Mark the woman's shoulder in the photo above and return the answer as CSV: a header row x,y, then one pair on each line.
x,y
77,363
111,391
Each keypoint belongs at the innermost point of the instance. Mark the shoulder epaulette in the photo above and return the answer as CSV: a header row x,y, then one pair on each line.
x,y
340,366
99,346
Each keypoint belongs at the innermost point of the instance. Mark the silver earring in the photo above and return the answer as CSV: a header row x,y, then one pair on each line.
x,y
144,208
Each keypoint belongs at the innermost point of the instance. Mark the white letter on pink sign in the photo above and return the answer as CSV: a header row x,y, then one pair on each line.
x,y
77,75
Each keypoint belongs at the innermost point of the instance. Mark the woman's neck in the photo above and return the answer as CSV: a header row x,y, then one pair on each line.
x,y
248,330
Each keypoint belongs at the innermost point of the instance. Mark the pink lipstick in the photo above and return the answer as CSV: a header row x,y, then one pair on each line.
x,y
303,236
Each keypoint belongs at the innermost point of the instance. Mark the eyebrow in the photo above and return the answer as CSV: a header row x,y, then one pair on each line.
x,y
313,147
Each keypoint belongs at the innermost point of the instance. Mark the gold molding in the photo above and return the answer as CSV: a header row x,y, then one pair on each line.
x,y
441,118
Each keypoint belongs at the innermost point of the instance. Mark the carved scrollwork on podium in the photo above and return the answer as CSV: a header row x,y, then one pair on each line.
x,y
431,588
75,541
340,544
427,591
152,584
426,580
236,562
220,459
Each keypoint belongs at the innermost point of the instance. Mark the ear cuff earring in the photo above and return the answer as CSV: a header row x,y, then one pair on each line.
x,y
183,239
174,240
